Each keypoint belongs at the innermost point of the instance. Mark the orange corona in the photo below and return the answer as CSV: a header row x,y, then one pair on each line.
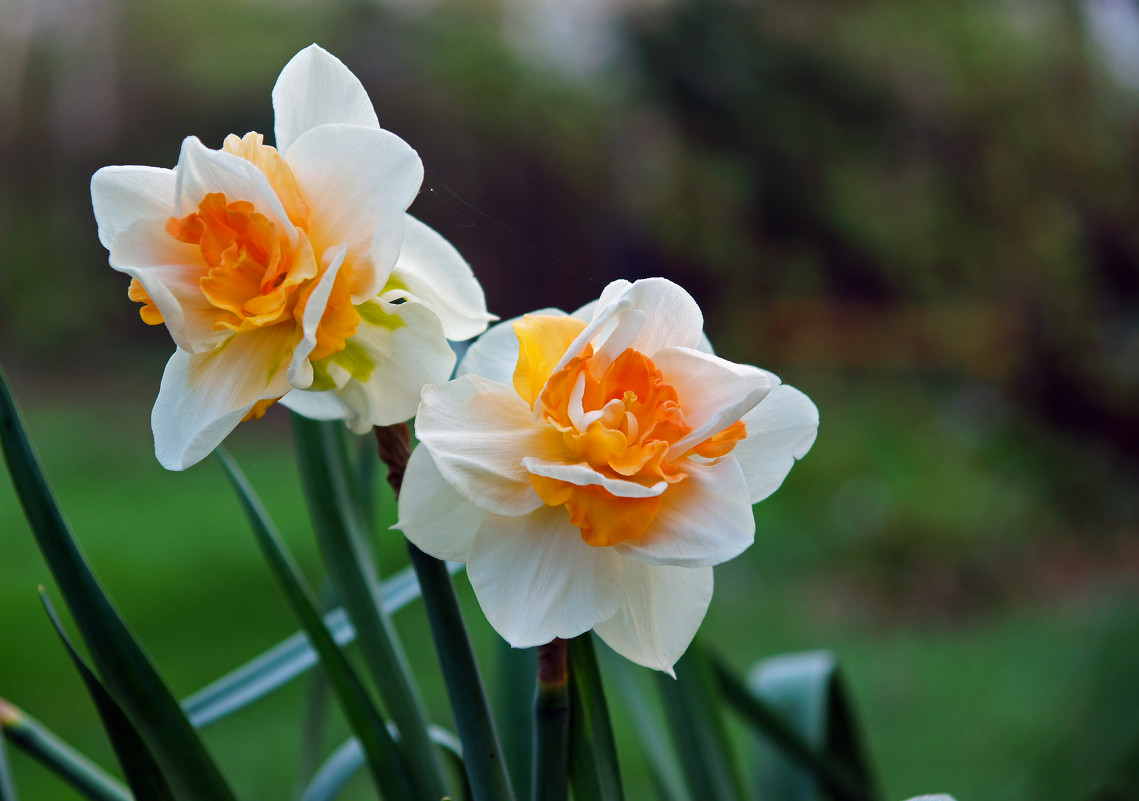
x,y
620,418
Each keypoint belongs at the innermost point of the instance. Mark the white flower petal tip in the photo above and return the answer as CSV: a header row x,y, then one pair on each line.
x,y
613,460
935,797
289,273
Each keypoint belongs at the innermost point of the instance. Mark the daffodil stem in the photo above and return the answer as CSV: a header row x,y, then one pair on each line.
x,y
482,754
74,768
551,724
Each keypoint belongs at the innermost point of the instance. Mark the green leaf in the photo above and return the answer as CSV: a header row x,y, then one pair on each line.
x,y
343,763
334,503
121,663
630,681
139,766
39,742
482,754
595,772
383,758
7,779
692,706
806,691
290,658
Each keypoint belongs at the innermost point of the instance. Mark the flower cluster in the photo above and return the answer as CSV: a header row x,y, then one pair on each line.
x,y
289,273
590,468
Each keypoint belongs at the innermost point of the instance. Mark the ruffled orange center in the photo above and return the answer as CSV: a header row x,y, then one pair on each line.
x,y
621,418
253,275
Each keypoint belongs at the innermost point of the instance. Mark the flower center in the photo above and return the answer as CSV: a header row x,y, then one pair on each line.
x,y
621,418
251,275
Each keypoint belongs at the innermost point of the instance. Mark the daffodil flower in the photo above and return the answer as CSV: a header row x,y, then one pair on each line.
x,y
289,273
591,468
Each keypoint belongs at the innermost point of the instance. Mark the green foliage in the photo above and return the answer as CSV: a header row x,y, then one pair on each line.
x,y
124,668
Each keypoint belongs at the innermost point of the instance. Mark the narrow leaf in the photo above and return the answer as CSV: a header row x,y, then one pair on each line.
x,y
649,727
39,742
383,759
120,661
809,746
333,500
135,758
691,703
332,776
8,716
290,658
595,772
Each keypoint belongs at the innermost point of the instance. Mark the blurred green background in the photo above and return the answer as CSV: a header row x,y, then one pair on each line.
x,y
923,214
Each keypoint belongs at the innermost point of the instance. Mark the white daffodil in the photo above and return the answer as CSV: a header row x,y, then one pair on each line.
x,y
291,273
591,468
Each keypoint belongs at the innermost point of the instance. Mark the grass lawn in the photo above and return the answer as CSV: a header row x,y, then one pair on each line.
x,y
916,541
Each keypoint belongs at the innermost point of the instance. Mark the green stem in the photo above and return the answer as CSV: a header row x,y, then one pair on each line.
x,y
482,753
551,724
343,545
74,768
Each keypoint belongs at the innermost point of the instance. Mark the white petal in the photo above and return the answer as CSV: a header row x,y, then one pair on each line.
x,y
358,183
122,195
204,396
433,272
536,579
704,520
432,515
780,430
647,315
315,88
494,355
397,349
202,171
662,609
170,272
713,392
478,432
300,369
316,405
583,475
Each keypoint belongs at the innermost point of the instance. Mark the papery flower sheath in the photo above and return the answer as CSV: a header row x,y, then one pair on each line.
x,y
289,273
591,468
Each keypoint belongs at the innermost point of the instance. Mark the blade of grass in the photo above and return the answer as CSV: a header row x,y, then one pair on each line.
x,y
335,772
333,503
291,657
809,745
121,663
595,772
39,742
139,766
382,756
7,779
691,703
482,753
649,726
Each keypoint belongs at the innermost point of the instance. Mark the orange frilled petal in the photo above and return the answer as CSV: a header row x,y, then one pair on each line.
x,y
721,444
149,312
620,418
603,518
272,164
